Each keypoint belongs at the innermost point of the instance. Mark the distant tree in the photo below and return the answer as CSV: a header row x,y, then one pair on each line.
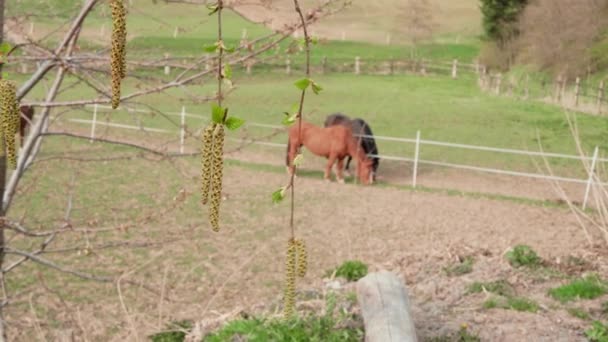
x,y
500,17
418,15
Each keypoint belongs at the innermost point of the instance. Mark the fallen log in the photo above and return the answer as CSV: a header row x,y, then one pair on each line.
x,y
385,307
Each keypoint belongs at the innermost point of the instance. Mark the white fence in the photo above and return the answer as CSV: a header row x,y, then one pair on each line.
x,y
589,181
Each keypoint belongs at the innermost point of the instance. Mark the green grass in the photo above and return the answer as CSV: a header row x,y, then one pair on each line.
x,y
598,332
460,268
175,332
522,304
589,287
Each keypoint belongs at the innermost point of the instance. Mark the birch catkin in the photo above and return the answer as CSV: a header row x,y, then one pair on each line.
x,y
9,117
206,162
302,264
217,160
118,52
290,280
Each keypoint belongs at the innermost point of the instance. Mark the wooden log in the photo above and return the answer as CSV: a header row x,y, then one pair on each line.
x,y
385,308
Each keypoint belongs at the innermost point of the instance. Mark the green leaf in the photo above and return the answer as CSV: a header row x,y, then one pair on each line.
x,y
210,48
298,160
314,40
227,71
217,113
316,88
278,195
230,50
213,8
303,83
289,119
5,48
228,82
234,123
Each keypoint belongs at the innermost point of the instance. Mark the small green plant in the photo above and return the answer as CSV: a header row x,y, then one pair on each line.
x,y
522,304
589,287
511,303
579,313
491,303
175,332
500,287
460,268
523,256
597,333
309,328
351,270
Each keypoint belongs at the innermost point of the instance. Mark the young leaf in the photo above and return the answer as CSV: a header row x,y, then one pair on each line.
x,y
217,113
298,160
303,83
278,195
210,48
229,49
213,8
316,88
289,119
234,123
227,71
5,48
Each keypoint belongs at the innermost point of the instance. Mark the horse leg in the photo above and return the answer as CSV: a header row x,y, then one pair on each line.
x,y
348,173
339,169
330,162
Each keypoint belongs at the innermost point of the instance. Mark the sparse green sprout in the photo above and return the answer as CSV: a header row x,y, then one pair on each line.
x,y
211,48
523,256
579,313
463,267
499,287
289,118
522,304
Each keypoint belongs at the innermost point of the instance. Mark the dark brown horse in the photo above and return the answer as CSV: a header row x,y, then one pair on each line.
x,y
27,113
363,133
334,143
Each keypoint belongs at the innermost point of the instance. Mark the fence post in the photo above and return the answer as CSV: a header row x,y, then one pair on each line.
x,y
416,155
527,90
167,67
182,131
93,123
248,65
590,180
600,97
498,83
175,32
388,39
562,92
392,66
343,35
324,64
24,68
455,69
357,65
288,66
577,90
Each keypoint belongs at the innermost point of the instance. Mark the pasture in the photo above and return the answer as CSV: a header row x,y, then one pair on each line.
x,y
138,214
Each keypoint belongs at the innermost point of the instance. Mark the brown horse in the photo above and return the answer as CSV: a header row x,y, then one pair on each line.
x,y
27,113
334,143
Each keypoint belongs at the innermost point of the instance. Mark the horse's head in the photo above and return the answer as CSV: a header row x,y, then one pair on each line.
x,y
366,171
